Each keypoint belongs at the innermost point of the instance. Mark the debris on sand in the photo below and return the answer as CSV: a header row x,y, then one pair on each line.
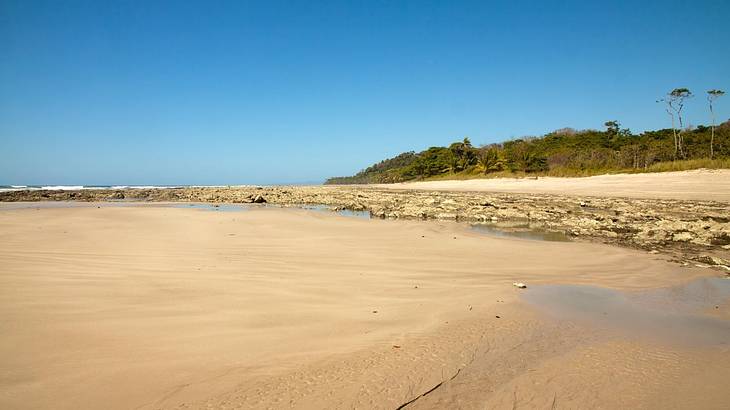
x,y
519,285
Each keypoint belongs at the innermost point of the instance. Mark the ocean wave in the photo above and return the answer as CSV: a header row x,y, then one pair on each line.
x,y
62,187
152,187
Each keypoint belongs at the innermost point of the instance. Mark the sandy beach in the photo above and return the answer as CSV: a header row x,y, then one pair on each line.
x,y
345,205
688,185
160,307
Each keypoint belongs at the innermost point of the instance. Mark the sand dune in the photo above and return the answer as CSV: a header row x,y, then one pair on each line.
x,y
692,185
154,307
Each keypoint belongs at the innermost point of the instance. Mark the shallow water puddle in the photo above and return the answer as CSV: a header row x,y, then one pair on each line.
x,y
668,314
226,207
121,203
520,230
219,207
341,212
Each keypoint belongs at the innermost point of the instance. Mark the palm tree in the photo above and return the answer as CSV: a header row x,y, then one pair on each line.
x,y
490,160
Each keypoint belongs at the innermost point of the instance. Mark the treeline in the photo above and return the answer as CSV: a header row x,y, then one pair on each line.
x,y
562,152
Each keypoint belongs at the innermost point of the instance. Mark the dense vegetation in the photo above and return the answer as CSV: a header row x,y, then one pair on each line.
x,y
564,152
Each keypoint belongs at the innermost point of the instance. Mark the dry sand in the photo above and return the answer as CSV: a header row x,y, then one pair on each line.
x,y
154,307
690,185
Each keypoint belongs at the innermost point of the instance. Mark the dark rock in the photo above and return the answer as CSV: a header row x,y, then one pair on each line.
x,y
721,239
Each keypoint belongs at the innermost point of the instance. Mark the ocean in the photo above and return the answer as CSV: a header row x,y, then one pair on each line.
x,y
6,188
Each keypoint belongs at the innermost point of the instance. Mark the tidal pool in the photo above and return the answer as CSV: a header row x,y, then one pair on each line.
x,y
341,212
520,230
675,314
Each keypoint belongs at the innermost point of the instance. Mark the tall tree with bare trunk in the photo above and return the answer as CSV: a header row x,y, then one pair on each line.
x,y
713,95
674,129
675,103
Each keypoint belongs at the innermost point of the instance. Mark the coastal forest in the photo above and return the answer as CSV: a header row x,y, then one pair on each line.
x,y
569,152
564,152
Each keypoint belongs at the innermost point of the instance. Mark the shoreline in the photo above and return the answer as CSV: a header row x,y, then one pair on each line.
x,y
689,231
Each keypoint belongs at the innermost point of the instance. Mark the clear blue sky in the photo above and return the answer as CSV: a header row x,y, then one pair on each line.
x,y
212,92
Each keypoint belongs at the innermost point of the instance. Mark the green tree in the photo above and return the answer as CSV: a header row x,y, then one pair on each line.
x,y
613,127
491,159
614,133
464,155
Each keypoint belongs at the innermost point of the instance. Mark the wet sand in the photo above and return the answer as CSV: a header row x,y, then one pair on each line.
x,y
160,307
710,185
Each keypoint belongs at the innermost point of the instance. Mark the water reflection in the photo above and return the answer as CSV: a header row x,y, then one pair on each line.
x,y
520,230
342,212
671,314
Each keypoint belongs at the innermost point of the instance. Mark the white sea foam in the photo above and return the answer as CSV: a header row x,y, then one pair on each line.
x,y
62,187
152,187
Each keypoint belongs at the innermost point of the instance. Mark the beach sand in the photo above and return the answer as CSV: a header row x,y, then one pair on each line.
x,y
688,185
159,307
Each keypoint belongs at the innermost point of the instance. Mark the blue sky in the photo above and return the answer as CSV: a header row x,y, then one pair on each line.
x,y
146,92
